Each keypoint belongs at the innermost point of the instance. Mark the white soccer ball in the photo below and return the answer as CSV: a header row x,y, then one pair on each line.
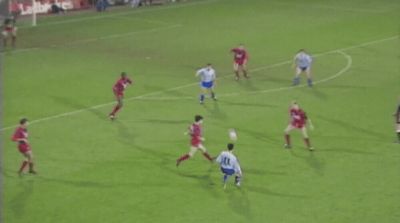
x,y
232,134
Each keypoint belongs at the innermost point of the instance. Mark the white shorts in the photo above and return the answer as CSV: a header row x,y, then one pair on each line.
x,y
6,33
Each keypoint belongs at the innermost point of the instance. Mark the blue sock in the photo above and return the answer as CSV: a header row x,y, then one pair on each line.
x,y
202,97
309,81
296,81
225,178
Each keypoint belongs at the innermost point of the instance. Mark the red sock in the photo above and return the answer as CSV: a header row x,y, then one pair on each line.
x,y
184,157
23,165
307,142
116,108
287,139
207,156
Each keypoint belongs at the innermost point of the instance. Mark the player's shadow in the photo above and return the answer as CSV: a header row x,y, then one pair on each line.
x,y
247,84
213,108
312,160
124,132
346,150
18,203
75,105
314,91
206,181
76,183
267,192
239,202
263,172
354,128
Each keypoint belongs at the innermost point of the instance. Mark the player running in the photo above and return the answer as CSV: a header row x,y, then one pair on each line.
x,y
229,165
208,78
397,121
298,120
240,58
21,137
9,30
302,63
118,89
196,134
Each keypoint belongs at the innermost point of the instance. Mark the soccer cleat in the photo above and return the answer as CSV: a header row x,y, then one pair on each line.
x,y
32,172
112,117
237,184
287,146
201,102
311,148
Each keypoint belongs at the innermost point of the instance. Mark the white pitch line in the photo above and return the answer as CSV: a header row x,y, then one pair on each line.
x,y
342,71
187,85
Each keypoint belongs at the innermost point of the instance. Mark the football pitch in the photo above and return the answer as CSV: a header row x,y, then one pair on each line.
x,y
95,170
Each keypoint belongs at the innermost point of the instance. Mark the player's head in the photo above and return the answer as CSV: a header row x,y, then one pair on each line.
x,y
230,146
302,50
123,74
295,105
198,118
23,121
208,66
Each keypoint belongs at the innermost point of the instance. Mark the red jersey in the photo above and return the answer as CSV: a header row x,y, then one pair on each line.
x,y
298,118
20,133
239,55
121,84
21,136
196,133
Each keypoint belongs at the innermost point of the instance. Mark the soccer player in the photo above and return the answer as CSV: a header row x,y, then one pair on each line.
x,y
21,137
298,120
302,63
397,119
9,30
229,165
196,134
118,89
240,58
208,78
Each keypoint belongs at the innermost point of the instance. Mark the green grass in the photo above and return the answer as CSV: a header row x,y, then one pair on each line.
x,y
94,170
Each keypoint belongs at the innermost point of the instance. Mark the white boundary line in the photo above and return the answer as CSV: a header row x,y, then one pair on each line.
x,y
82,41
187,85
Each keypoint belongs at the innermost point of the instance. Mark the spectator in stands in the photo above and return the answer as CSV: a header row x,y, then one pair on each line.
x,y
135,3
146,2
101,5
57,9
